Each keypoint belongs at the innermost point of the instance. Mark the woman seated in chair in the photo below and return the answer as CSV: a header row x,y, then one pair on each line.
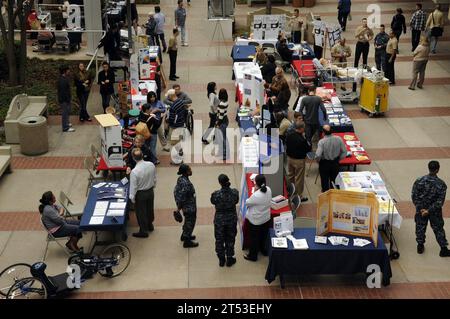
x,y
55,223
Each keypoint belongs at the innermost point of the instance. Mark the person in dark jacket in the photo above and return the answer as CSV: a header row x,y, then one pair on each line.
x,y
150,28
111,43
225,220
106,80
186,201
83,82
268,69
309,108
65,98
344,8
398,23
139,142
428,195
284,51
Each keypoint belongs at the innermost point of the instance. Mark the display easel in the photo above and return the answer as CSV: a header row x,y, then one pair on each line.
x,y
221,37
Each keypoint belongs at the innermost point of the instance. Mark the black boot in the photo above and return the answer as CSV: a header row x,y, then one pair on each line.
x,y
444,252
221,261
420,248
231,261
190,244
182,238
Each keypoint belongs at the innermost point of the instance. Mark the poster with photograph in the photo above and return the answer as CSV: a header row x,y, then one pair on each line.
x,y
348,212
134,73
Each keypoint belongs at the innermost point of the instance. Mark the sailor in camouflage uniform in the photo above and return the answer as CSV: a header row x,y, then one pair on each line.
x,y
225,220
185,199
428,195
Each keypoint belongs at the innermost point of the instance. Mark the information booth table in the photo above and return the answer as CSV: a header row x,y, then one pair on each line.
x,y
112,216
326,258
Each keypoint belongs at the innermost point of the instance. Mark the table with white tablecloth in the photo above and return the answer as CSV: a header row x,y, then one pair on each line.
x,y
372,182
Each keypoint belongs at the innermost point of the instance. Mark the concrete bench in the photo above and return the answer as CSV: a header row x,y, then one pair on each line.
x,y
5,159
22,106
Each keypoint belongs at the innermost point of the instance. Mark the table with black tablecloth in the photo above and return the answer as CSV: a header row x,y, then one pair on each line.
x,y
116,225
326,259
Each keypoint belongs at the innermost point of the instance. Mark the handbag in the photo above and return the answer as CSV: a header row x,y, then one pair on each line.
x,y
142,129
436,31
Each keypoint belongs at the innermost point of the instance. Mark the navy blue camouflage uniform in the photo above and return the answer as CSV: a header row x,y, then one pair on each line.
x,y
225,220
429,193
185,199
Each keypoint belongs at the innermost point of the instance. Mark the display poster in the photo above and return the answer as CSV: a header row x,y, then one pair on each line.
x,y
351,213
250,152
334,34
253,95
319,33
326,32
268,26
134,73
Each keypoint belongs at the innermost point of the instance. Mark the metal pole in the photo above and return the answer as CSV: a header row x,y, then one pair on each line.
x,y
130,28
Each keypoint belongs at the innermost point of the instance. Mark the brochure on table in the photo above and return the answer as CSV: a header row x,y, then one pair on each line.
x,y
346,212
371,182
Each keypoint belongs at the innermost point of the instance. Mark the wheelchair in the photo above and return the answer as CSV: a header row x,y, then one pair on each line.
x,y
24,281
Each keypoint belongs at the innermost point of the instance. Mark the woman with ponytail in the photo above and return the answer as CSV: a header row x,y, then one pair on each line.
x,y
258,216
54,222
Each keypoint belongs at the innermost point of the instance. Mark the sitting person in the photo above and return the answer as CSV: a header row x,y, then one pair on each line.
x,y
46,35
284,51
268,69
139,142
60,32
54,221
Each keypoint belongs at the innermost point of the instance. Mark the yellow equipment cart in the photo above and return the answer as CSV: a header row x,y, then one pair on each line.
x,y
374,95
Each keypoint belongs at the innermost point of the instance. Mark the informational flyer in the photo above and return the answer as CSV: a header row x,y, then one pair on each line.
x,y
250,152
319,33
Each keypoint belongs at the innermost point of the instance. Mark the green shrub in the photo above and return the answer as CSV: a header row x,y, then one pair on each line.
x,y
41,80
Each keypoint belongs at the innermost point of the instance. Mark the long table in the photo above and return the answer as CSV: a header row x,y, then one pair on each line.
x,y
117,224
372,182
358,156
325,259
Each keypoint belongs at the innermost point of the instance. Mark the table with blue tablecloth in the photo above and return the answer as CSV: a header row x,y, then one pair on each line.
x,y
243,53
116,224
326,258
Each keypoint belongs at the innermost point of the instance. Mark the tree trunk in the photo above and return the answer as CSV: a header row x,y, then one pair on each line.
x,y
269,7
9,45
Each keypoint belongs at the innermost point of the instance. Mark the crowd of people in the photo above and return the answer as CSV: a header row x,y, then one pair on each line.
x,y
299,136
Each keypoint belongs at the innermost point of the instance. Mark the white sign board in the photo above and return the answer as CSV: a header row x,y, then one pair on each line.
x,y
268,26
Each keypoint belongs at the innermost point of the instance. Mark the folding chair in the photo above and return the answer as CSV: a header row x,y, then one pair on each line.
x,y
65,202
93,176
50,238
295,205
256,44
290,189
95,155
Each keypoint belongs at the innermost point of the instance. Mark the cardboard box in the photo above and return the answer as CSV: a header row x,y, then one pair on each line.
x,y
111,139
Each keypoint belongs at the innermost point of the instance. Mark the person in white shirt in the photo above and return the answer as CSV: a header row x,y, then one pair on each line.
x,y
213,107
142,182
258,217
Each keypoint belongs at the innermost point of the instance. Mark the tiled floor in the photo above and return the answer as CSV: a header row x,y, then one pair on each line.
x,y
414,131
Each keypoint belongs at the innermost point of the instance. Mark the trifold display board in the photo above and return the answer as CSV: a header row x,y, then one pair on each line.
x,y
346,212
